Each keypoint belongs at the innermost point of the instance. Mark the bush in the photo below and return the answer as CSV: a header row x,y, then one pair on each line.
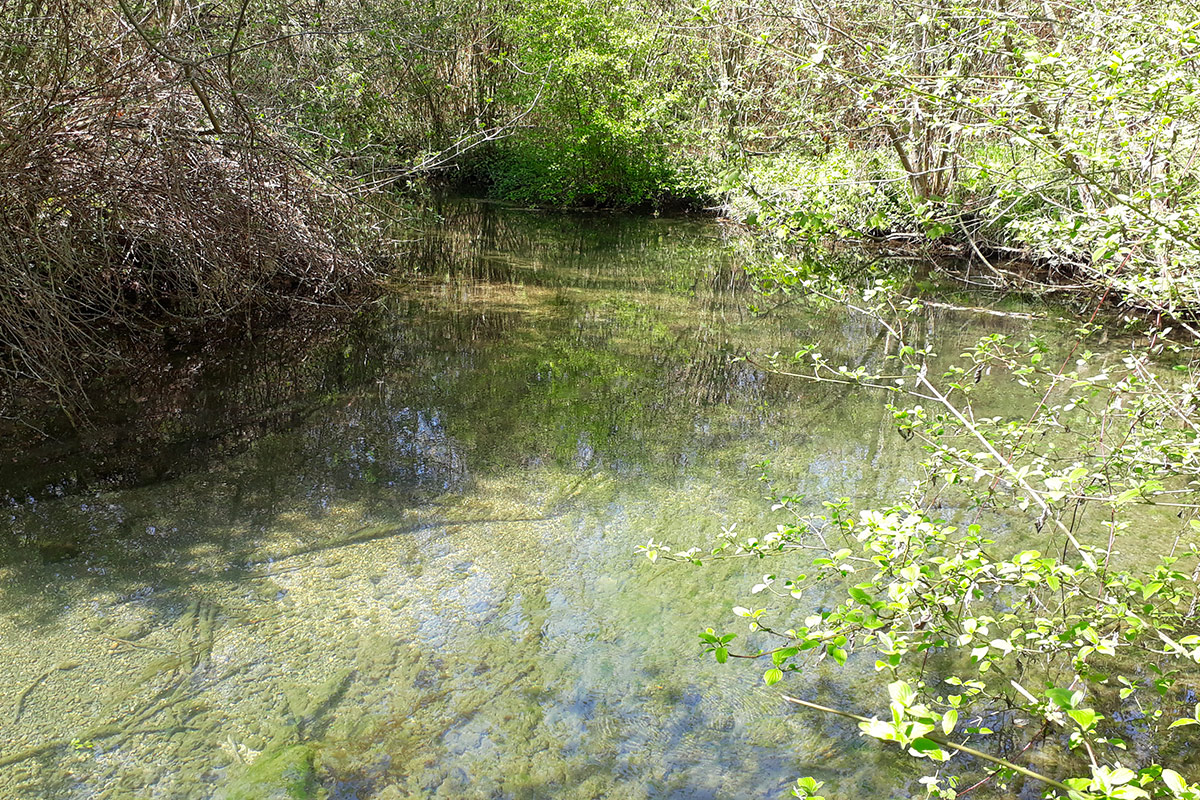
x,y
130,205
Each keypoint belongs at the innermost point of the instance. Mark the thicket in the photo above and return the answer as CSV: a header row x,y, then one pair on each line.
x,y
188,161
174,164
1062,133
1043,639
611,90
139,189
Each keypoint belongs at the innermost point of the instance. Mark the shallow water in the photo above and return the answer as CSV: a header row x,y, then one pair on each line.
x,y
410,545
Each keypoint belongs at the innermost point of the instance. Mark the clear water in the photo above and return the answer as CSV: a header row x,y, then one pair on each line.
x,y
408,546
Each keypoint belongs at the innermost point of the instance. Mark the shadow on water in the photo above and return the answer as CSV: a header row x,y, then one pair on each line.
x,y
440,500
478,362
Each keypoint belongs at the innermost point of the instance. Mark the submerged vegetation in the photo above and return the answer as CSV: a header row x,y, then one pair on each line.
x,y
172,167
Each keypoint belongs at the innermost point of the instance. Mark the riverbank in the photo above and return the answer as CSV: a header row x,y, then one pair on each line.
x,y
1001,235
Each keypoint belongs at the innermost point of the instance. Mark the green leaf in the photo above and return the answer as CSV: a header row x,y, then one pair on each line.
x,y
878,729
1003,645
1121,776
1174,781
838,655
780,656
902,693
722,654
773,676
1085,718
928,748
949,721
859,594
936,230
808,786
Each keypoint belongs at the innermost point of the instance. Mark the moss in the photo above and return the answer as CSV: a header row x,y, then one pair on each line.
x,y
281,773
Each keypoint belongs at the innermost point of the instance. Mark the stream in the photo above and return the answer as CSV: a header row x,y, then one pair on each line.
x,y
398,560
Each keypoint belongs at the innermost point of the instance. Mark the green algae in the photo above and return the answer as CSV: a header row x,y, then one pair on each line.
x,y
283,773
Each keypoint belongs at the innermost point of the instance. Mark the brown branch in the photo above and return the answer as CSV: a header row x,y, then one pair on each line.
x,y
941,742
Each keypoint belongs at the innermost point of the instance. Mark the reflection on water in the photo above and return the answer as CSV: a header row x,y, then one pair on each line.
x,y
399,562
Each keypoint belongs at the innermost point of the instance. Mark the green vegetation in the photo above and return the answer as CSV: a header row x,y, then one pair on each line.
x,y
285,773
167,166
1066,132
1043,615
192,164
602,114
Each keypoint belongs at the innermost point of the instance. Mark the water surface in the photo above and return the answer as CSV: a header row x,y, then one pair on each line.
x,y
410,544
